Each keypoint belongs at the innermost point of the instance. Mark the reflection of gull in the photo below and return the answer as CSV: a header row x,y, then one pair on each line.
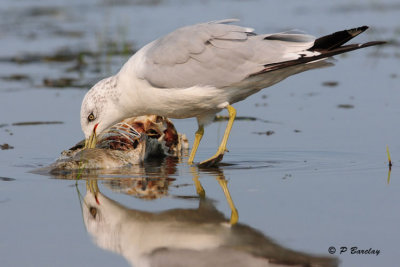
x,y
197,71
183,237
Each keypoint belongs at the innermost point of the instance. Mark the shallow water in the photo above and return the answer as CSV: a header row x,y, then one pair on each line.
x,y
319,180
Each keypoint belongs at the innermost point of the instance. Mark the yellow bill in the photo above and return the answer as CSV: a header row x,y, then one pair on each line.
x,y
92,140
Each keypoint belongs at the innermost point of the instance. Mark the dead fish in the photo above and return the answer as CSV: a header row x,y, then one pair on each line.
x,y
126,143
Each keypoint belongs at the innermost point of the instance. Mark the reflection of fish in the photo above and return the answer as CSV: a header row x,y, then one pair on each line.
x,y
184,237
129,142
144,188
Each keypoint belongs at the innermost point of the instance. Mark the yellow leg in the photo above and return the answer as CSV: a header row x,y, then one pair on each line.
x,y
197,139
224,185
222,147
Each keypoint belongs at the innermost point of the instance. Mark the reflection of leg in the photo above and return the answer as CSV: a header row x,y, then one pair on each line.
x,y
199,188
197,138
222,147
234,215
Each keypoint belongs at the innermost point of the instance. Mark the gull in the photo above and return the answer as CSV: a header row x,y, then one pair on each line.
x,y
199,70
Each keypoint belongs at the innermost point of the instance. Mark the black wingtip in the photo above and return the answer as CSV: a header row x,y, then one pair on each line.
x,y
373,43
323,55
337,39
356,31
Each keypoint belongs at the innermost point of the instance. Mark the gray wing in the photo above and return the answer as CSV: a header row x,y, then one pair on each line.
x,y
215,54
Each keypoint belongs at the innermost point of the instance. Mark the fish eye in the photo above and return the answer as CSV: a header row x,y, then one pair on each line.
x,y
93,212
91,117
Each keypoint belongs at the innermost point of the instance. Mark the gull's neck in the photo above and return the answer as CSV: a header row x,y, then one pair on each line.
x,y
133,101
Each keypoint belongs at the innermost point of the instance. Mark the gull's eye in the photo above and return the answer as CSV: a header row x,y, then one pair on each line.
x,y
91,117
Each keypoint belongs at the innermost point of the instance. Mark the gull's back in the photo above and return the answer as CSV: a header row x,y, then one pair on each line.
x,y
214,54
